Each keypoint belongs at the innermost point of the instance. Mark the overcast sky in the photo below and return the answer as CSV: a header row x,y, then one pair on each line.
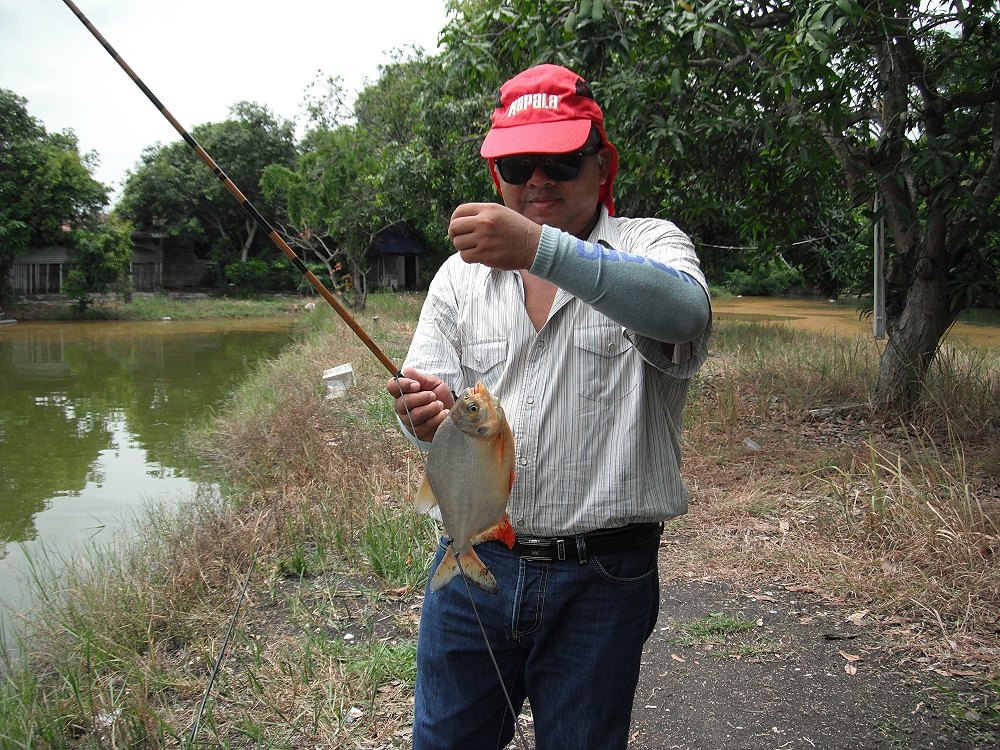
x,y
198,57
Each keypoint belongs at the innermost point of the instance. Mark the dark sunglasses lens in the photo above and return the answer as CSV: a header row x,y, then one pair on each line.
x,y
565,167
516,170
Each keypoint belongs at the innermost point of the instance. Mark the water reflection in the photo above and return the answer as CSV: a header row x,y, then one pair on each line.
x,y
92,416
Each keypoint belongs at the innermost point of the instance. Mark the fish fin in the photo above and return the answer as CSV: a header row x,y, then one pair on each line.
x,y
425,499
446,570
510,485
501,531
474,569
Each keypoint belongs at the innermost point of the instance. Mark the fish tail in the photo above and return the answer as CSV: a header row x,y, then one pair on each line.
x,y
473,567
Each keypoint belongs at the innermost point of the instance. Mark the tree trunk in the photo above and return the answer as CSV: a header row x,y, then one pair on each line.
x,y
251,227
914,335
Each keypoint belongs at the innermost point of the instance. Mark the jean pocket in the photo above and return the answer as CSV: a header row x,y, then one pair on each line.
x,y
627,567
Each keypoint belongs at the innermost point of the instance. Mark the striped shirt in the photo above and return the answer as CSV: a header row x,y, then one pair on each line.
x,y
595,408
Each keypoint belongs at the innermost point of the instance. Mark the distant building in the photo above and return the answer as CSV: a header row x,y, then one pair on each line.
x,y
397,259
44,270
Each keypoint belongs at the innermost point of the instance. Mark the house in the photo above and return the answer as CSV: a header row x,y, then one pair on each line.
x,y
397,259
44,270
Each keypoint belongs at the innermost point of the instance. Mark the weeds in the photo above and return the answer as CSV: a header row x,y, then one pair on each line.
x,y
726,636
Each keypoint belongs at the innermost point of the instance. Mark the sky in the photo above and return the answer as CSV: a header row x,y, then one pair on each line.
x,y
198,57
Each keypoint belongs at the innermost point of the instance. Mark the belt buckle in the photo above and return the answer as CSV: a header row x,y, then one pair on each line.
x,y
541,549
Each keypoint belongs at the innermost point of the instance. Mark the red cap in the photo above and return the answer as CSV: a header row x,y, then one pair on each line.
x,y
547,109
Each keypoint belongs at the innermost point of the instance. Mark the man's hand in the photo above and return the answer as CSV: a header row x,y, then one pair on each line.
x,y
494,235
422,402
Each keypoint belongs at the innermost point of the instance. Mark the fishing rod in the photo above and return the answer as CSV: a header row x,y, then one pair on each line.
x,y
247,206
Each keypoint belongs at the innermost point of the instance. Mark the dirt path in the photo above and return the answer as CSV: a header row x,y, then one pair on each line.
x,y
794,673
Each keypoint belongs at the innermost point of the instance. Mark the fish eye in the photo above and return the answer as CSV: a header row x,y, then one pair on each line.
x,y
473,408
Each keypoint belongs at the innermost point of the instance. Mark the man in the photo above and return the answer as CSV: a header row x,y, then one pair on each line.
x,y
588,329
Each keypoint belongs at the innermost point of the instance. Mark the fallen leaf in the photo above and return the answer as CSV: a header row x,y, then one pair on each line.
x,y
675,657
857,617
849,657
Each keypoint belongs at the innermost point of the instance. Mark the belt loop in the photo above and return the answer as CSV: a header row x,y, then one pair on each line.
x,y
581,549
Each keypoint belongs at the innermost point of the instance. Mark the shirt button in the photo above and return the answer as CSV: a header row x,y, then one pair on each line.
x,y
524,461
531,399
611,347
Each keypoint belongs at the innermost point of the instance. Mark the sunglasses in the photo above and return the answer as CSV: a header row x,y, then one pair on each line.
x,y
517,170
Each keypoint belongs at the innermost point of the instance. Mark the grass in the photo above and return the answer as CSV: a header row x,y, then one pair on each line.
x,y
791,477
726,635
159,306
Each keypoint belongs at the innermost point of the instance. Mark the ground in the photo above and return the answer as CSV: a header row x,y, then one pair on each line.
x,y
806,673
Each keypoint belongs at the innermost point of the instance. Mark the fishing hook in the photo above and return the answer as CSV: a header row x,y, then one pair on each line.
x,y
247,206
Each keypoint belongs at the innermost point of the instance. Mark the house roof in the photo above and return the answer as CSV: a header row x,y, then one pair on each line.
x,y
391,242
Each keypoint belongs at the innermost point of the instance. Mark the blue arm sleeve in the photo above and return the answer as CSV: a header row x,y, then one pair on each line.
x,y
644,295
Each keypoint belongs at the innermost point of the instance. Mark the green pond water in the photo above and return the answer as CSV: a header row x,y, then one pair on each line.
x,y
92,417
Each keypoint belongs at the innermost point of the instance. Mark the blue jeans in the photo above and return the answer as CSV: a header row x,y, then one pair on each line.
x,y
567,636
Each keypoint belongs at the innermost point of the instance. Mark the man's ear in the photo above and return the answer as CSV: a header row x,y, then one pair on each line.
x,y
604,163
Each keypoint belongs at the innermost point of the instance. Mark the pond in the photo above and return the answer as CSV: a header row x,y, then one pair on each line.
x,y
833,319
91,420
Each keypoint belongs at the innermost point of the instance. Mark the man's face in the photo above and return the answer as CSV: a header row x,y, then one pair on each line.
x,y
570,205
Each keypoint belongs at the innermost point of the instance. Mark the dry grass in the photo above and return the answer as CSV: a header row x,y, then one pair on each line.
x,y
791,478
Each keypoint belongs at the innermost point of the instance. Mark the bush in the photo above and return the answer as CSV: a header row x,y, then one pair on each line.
x,y
248,276
772,278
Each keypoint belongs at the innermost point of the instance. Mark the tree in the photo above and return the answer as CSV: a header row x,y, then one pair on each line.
x,y
400,159
45,184
102,257
901,95
726,179
172,190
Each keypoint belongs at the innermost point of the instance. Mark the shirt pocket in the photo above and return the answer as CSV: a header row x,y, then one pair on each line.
x,y
606,365
482,356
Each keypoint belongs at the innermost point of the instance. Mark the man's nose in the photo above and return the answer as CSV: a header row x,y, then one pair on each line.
x,y
540,176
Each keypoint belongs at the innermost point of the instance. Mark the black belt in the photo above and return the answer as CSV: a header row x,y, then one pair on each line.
x,y
604,542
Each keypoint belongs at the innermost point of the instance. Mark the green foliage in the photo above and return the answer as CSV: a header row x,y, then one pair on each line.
x,y
404,162
773,127
101,260
45,184
248,276
768,279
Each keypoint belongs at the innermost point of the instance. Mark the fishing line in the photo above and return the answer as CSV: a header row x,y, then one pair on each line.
x,y
472,600
246,205
489,649
196,724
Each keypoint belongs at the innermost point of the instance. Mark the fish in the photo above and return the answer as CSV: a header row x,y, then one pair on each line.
x,y
469,475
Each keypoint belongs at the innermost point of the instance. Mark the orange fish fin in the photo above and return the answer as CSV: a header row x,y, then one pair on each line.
x,y
425,499
510,485
501,531
473,567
